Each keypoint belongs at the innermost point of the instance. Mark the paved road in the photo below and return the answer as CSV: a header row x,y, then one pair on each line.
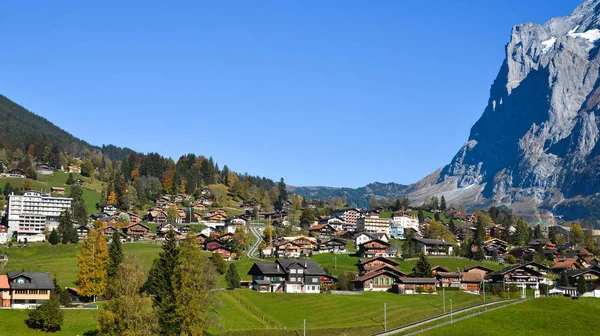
x,y
439,317
252,250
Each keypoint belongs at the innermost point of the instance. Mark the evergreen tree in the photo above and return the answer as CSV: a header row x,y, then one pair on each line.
x,y
93,260
564,279
160,285
552,234
423,267
53,239
421,216
452,226
194,279
115,252
307,218
78,205
537,233
232,277
437,217
73,236
62,295
65,223
581,285
70,179
443,206
219,262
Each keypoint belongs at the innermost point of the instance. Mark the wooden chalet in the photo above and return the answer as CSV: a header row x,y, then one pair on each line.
x,y
219,215
225,252
412,285
157,215
57,190
137,230
367,265
529,274
133,218
332,245
373,248
448,279
213,245
322,230
378,279
568,264
288,249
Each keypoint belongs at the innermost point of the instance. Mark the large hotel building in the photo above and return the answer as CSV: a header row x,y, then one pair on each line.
x,y
28,215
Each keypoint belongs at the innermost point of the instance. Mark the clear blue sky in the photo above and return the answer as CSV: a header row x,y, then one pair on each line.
x,y
339,93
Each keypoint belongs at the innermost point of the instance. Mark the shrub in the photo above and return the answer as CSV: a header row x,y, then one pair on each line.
x,y
420,290
47,317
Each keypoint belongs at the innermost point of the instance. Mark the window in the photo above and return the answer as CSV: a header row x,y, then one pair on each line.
x,y
293,271
315,280
300,271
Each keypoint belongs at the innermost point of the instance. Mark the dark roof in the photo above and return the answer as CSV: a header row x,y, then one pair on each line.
x,y
263,282
428,241
448,275
311,267
418,280
378,272
387,260
524,266
578,272
39,280
265,268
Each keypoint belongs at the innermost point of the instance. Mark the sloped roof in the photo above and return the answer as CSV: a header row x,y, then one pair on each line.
x,y
39,280
311,267
376,273
428,241
387,260
563,263
483,268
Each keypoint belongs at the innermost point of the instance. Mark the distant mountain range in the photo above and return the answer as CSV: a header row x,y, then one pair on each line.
x,y
359,197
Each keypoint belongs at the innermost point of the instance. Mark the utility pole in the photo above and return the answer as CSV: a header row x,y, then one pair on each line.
x,y
385,317
483,285
335,262
304,327
451,320
444,298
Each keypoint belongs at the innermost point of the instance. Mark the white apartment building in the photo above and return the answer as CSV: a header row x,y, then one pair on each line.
x,y
373,224
400,224
29,214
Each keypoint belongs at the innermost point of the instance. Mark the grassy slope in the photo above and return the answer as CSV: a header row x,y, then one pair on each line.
x,y
545,316
61,260
328,314
76,322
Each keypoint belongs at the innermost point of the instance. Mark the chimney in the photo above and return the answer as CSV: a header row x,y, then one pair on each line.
x,y
277,266
305,265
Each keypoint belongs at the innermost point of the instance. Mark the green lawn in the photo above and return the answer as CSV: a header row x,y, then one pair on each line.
x,y
76,322
544,316
327,314
61,260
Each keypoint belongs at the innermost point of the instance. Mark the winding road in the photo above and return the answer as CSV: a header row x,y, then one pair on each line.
x,y
252,250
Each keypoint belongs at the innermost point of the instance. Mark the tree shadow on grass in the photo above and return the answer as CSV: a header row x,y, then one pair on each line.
x,y
91,333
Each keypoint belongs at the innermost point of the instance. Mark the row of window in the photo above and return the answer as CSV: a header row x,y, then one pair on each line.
x,y
31,291
383,281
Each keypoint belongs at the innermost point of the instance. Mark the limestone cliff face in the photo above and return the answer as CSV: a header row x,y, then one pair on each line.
x,y
536,143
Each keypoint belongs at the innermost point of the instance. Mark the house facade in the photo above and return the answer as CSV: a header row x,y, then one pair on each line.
x,y
373,248
27,289
373,224
287,276
435,246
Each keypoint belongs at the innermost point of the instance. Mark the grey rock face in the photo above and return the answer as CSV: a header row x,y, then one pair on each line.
x,y
539,131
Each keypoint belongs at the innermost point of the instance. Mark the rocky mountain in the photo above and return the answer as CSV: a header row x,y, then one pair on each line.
x,y
359,197
535,148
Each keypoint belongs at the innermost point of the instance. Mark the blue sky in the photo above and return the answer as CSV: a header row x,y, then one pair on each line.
x,y
338,93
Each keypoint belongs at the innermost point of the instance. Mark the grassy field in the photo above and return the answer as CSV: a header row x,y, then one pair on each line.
x,y
544,316
76,322
326,314
61,260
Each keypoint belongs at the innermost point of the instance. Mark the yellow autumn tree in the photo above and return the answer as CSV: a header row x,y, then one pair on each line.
x,y
112,198
93,262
